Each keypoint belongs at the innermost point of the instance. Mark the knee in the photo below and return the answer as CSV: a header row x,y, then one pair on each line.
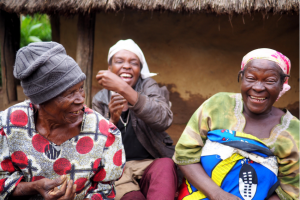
x,y
166,163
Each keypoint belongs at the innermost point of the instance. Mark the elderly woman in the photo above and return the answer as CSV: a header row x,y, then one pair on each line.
x,y
52,146
257,157
140,109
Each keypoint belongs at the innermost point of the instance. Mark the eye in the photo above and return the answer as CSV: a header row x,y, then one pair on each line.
x,y
118,61
271,81
250,78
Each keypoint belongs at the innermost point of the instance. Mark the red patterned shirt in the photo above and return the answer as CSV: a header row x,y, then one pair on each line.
x,y
94,159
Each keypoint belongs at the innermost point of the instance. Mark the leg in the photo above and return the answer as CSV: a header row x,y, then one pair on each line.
x,y
159,180
134,195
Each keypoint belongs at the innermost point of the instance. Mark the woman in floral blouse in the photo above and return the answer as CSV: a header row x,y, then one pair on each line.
x,y
52,146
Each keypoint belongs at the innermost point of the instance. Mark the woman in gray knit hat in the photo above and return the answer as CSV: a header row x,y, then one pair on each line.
x,y
52,146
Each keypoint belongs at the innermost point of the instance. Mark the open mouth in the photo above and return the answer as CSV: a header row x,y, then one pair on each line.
x,y
257,99
126,76
76,112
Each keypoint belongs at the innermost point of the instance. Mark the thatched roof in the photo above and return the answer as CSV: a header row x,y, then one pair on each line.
x,y
217,6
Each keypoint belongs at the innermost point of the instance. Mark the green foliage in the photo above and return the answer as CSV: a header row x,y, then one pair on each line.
x,y
35,28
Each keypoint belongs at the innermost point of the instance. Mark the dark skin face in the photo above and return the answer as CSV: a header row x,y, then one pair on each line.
x,y
66,108
62,114
121,77
260,86
126,65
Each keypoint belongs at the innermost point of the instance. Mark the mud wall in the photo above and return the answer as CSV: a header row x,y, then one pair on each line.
x,y
195,55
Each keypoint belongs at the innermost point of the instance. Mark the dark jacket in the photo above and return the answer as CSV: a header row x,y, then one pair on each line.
x,y
151,116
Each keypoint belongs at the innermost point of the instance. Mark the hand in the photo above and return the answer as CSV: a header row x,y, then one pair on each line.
x,y
110,81
116,105
274,197
49,188
222,195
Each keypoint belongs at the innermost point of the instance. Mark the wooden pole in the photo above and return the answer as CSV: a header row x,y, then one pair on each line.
x,y
85,51
55,28
10,43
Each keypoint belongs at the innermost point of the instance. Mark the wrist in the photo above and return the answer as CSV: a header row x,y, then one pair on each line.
x,y
36,187
113,121
123,88
215,194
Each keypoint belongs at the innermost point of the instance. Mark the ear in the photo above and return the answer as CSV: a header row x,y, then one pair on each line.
x,y
281,87
109,68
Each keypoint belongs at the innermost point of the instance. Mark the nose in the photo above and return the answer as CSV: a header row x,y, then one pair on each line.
x,y
79,97
258,86
126,65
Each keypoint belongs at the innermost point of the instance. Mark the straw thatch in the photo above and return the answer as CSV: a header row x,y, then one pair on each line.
x,y
86,6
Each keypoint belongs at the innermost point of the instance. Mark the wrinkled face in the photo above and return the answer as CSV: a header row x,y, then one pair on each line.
x,y
67,107
260,86
126,65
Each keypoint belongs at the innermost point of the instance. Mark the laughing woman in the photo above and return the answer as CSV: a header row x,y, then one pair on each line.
x,y
140,109
248,148
52,146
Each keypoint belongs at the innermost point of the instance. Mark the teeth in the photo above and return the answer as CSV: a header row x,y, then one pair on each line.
x,y
76,112
257,98
126,75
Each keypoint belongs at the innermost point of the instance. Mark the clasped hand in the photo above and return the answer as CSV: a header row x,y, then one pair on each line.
x,y
116,105
50,191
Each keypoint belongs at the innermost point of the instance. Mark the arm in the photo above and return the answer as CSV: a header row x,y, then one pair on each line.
x,y
11,177
152,107
188,152
110,167
287,153
97,106
198,177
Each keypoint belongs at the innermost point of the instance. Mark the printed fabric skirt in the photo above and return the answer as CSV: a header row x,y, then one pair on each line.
x,y
239,163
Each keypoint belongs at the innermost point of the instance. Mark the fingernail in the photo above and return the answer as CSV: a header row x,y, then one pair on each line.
x,y
75,186
63,177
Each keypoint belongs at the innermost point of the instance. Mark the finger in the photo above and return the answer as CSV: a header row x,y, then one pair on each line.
x,y
59,192
115,94
117,109
69,190
100,81
101,72
56,182
118,102
74,188
64,185
117,98
74,191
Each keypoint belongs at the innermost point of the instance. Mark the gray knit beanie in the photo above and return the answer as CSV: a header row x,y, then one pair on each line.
x,y
45,71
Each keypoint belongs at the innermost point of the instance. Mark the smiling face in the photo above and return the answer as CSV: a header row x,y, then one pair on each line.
x,y
67,107
127,66
260,86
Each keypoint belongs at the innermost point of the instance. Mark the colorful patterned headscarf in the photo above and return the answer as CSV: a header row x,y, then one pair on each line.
x,y
269,54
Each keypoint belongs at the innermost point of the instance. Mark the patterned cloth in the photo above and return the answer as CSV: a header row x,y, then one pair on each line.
x,y
94,159
239,163
269,54
225,111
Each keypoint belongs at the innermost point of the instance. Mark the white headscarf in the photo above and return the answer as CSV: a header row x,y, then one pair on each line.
x,y
130,45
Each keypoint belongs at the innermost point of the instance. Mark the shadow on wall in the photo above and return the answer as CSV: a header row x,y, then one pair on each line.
x,y
184,109
294,109
181,108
